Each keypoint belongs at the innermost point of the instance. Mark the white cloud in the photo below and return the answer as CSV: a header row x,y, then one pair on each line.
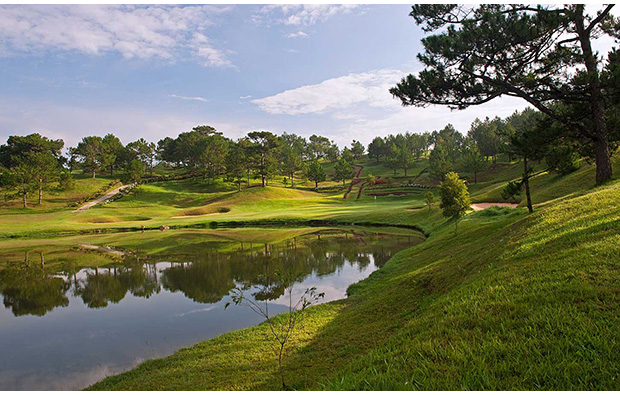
x,y
299,34
299,14
359,106
210,57
245,97
195,98
369,88
133,31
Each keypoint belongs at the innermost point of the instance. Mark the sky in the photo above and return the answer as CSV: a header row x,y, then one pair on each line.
x,y
68,71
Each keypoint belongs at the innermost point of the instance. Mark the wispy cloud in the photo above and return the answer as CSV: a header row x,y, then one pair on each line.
x,y
299,34
359,106
195,98
245,97
339,93
140,32
299,14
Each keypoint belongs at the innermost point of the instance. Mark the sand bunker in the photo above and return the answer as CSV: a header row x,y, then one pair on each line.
x,y
482,206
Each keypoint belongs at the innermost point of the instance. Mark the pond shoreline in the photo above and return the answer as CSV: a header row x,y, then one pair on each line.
x,y
218,225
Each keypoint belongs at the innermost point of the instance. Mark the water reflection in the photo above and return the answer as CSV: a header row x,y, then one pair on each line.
x,y
120,299
28,289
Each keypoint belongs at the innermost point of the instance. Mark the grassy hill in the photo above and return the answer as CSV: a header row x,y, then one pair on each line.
x,y
514,301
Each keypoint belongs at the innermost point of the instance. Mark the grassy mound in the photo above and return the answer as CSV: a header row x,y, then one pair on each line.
x,y
511,302
250,199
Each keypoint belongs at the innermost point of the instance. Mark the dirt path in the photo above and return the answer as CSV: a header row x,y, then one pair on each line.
x,y
102,198
482,206
356,180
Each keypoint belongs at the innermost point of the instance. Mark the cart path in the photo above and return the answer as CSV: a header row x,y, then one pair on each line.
x,y
354,181
102,198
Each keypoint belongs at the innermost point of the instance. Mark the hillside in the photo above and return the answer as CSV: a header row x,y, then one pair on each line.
x,y
511,302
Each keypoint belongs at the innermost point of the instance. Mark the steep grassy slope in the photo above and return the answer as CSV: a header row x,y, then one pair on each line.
x,y
511,302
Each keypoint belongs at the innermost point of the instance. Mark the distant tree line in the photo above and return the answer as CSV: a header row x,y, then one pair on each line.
x,y
30,163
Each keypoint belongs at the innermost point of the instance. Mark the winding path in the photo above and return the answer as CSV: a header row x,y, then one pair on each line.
x,y
102,198
354,181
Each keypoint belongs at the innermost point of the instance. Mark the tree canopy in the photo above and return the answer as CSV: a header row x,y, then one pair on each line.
x,y
542,54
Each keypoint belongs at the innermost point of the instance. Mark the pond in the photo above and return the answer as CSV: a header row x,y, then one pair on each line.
x,y
80,308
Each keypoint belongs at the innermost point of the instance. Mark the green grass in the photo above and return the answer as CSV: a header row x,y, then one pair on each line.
x,y
54,198
512,302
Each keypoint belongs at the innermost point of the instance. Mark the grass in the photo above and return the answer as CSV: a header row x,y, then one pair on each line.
x,y
54,198
196,201
513,302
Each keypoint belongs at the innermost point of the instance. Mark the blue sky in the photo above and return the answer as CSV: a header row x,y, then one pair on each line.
x,y
156,71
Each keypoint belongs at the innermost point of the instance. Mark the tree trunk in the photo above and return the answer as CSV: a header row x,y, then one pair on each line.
x,y
526,182
93,173
262,171
292,179
248,178
25,202
597,105
40,190
603,161
316,184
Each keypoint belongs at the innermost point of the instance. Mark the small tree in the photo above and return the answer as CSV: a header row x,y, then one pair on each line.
x,y
23,178
236,161
281,330
511,190
342,171
454,198
66,181
316,172
46,166
357,149
439,163
429,198
375,148
473,160
347,155
135,171
89,149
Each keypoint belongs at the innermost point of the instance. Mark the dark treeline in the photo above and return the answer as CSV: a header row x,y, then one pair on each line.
x,y
30,163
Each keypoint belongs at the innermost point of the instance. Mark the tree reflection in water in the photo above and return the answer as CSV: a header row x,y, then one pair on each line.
x,y
204,271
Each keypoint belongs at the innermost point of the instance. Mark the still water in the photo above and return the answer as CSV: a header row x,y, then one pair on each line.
x,y
76,310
